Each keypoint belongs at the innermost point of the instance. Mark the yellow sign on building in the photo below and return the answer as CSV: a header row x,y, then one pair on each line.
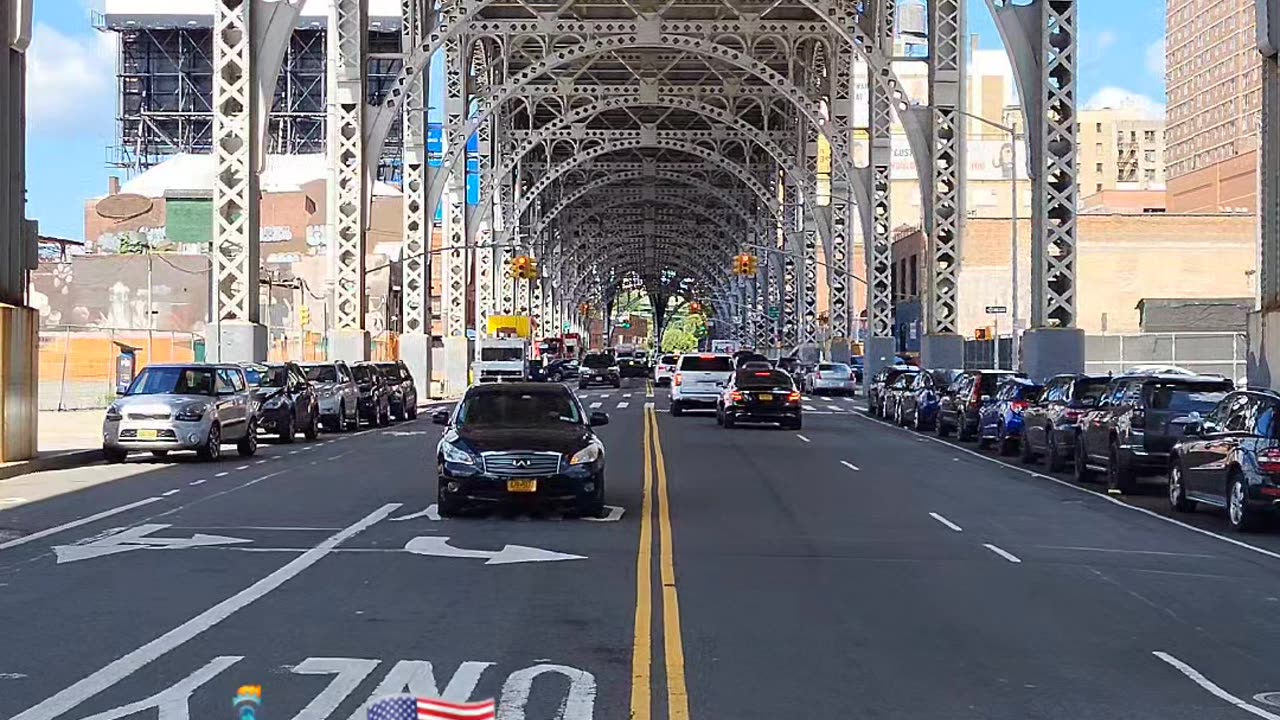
x,y
508,325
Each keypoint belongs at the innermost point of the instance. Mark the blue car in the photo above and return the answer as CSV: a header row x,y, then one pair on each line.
x,y
919,410
1000,421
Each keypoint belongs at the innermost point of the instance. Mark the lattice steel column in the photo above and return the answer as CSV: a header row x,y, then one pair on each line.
x,y
947,96
792,265
455,228
415,340
238,332
880,345
485,289
809,238
348,201
1041,41
843,210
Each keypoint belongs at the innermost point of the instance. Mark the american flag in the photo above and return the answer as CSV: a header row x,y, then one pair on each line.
x,y
408,707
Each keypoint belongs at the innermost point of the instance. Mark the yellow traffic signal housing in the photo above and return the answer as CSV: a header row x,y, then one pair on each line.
x,y
305,316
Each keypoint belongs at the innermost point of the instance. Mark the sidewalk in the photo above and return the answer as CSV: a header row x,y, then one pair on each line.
x,y
67,439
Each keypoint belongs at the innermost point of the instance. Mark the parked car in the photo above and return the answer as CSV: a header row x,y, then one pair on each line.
x,y
404,391
768,396
1230,458
891,402
194,406
958,408
791,366
857,363
741,359
1050,425
520,443
1000,421
599,368
286,402
699,380
1129,434
375,394
336,390
918,409
832,379
561,369
882,379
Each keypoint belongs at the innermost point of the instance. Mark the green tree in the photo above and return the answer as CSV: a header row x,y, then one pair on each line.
x,y
676,339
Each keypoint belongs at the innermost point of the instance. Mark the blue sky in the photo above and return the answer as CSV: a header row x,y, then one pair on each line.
x,y
71,91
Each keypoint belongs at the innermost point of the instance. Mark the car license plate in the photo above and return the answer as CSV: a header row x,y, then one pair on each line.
x,y
522,486
148,434
766,397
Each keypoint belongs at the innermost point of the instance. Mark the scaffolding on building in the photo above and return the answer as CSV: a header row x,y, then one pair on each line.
x,y
165,105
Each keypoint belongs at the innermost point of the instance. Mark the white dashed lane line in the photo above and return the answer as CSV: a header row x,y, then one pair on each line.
x,y
803,438
170,492
946,522
849,465
193,483
224,473
243,467
1002,553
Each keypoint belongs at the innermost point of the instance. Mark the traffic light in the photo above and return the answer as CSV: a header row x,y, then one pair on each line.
x,y
753,265
305,316
524,267
982,334
695,307
745,265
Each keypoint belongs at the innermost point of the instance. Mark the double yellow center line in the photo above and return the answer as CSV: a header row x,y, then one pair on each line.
x,y
655,467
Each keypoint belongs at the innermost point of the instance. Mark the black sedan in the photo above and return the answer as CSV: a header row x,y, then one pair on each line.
x,y
521,443
286,402
562,369
374,401
599,369
767,396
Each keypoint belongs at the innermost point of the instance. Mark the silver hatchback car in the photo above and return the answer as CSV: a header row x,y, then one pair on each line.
x,y
182,407
337,392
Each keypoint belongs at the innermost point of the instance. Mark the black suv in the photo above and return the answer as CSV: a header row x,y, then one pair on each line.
x,y
286,402
375,394
1230,459
960,405
1129,434
404,393
599,369
1050,425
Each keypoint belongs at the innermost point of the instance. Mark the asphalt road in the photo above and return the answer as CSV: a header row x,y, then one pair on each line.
x,y
849,570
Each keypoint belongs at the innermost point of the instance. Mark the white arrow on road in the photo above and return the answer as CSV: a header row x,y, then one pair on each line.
x,y
440,547
136,538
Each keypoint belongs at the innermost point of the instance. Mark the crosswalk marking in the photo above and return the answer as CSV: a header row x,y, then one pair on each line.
x,y
626,395
595,405
836,408
623,404
810,408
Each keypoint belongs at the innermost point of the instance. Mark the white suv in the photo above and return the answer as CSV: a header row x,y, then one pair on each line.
x,y
699,380
664,369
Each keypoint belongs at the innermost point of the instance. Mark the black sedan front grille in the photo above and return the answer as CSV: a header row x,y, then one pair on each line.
x,y
521,464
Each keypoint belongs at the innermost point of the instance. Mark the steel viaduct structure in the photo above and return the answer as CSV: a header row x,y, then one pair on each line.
x,y
633,143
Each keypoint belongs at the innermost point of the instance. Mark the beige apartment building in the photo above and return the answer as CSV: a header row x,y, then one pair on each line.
x,y
1214,84
1120,149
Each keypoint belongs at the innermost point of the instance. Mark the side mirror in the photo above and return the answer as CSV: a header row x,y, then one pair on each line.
x,y
1191,425
598,418
440,417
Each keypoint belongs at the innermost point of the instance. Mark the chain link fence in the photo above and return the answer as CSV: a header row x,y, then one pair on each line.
x,y
1222,353
78,363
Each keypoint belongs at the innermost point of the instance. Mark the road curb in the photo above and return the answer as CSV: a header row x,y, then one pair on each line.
x,y
62,460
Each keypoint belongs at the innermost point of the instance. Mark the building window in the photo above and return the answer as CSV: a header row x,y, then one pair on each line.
x,y
1097,147
1097,167
1149,135
912,275
1149,155
1097,127
1097,188
1149,174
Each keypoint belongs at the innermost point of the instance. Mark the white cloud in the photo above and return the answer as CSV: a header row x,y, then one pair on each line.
x,y
1105,40
70,80
1155,57
1118,97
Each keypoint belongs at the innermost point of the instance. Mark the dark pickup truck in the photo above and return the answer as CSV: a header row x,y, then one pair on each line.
x,y
1129,433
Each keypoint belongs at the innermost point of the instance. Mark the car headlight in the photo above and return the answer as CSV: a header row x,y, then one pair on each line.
x,y
191,413
273,402
588,454
113,412
454,454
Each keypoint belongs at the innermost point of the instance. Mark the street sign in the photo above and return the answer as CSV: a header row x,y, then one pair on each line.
x,y
138,538
997,309
774,312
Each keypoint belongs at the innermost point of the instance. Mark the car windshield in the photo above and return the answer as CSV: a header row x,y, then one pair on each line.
x,y
501,354
836,369
706,363
173,381
518,408
597,361
1187,397
1091,389
752,379
668,360
266,376
321,373
362,373
390,371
